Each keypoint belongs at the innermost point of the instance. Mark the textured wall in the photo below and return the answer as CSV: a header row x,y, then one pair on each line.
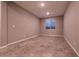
x,y
57,31
71,24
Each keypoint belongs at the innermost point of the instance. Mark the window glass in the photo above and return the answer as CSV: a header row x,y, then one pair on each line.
x,y
50,23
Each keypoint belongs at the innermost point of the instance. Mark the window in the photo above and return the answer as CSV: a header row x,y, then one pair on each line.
x,y
50,23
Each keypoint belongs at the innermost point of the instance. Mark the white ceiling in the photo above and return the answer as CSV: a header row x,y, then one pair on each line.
x,y
56,8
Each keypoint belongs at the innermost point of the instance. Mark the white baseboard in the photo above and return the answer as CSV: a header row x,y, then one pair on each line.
x,y
52,35
44,35
18,41
71,45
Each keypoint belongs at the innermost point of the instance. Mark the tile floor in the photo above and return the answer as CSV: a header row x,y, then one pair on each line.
x,y
41,46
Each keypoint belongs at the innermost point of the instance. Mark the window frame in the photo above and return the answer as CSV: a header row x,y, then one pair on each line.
x,y
50,23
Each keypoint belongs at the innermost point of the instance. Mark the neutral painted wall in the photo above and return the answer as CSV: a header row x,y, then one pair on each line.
x,y
0,23
3,23
57,31
21,24
71,25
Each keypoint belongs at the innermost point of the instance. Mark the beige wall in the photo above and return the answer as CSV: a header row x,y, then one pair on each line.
x,y
57,31
21,24
0,23
71,25
3,23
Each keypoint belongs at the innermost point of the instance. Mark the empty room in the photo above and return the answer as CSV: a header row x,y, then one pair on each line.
x,y
39,28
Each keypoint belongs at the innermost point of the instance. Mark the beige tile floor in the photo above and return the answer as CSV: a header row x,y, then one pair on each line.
x,y
41,46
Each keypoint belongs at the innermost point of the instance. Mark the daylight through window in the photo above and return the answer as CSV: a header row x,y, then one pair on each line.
x,y
50,23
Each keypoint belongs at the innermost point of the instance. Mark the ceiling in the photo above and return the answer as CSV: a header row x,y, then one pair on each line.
x,y
54,8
